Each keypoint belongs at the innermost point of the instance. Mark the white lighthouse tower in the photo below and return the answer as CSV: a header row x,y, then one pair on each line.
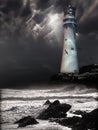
x,y
69,63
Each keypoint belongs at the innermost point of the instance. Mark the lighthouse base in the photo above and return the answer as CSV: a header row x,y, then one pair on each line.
x,y
87,75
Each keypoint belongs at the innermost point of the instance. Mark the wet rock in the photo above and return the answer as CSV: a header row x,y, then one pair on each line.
x,y
78,112
26,121
55,119
55,110
56,102
47,102
89,121
68,121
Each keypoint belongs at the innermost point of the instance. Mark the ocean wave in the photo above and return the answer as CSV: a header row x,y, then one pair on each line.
x,y
60,92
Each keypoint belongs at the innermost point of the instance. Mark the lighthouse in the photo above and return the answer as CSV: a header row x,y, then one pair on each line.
x,y
69,62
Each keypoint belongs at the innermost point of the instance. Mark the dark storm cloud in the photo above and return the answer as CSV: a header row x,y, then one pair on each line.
x,y
24,52
30,49
87,19
17,7
59,5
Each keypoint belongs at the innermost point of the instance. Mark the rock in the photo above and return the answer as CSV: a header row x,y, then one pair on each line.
x,y
47,102
55,119
68,121
56,102
89,121
26,121
78,112
55,110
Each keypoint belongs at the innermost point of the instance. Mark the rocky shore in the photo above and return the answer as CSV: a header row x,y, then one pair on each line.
x,y
57,112
87,75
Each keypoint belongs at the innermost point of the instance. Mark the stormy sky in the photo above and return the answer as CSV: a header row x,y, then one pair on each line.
x,y
31,38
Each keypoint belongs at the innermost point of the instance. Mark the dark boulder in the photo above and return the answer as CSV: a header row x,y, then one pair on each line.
x,y
56,102
91,116
68,121
55,110
89,121
26,121
79,112
47,102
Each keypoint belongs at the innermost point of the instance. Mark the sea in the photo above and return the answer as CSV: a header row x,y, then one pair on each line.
x,y
18,103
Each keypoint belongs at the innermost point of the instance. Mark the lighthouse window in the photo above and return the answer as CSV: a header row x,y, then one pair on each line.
x,y
66,51
72,48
